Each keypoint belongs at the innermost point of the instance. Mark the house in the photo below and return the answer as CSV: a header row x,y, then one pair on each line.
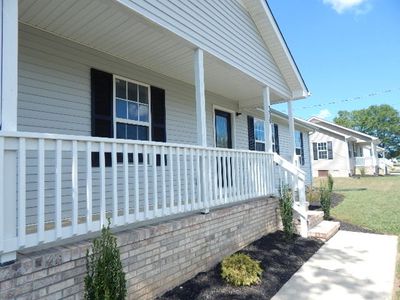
x,y
344,152
141,114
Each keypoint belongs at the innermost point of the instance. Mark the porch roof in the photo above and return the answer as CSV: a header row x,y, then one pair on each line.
x,y
114,28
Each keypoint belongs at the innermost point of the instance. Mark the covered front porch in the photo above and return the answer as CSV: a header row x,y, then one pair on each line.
x,y
60,180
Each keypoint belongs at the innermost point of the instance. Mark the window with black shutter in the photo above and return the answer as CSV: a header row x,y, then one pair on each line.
x,y
299,146
126,109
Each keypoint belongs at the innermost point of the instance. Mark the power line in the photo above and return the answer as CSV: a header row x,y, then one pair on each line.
x,y
333,102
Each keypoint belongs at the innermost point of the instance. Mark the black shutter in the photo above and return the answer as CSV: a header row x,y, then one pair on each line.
x,y
276,135
330,152
158,127
315,151
250,130
302,149
102,110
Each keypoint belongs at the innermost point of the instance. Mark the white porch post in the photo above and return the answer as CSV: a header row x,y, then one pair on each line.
x,y
201,124
200,98
374,157
267,119
292,144
8,121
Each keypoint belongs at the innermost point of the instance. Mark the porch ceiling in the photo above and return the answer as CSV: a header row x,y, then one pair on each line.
x,y
112,28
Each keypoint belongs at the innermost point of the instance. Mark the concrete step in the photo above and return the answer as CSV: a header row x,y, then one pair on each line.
x,y
324,230
314,217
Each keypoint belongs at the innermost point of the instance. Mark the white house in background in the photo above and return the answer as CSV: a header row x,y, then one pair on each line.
x,y
344,152
135,111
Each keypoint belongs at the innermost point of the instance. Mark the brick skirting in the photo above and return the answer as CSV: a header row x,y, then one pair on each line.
x,y
156,258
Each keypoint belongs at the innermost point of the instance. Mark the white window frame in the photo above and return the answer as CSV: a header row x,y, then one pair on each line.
x,y
322,151
301,150
263,141
263,134
127,121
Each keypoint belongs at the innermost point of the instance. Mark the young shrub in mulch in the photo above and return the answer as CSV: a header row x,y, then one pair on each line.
x,y
104,276
286,211
240,269
325,200
330,183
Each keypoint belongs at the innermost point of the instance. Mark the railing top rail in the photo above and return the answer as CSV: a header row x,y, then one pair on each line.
x,y
82,138
289,166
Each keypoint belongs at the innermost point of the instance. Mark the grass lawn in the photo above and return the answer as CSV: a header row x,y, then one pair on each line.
x,y
377,208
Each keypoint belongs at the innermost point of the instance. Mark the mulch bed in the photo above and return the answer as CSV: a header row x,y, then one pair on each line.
x,y
336,200
279,259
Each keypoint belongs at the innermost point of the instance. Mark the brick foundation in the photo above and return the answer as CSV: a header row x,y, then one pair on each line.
x,y
156,258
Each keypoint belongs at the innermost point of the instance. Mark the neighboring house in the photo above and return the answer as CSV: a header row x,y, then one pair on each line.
x,y
140,112
344,152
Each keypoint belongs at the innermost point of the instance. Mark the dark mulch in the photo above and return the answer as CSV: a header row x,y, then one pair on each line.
x,y
279,259
336,200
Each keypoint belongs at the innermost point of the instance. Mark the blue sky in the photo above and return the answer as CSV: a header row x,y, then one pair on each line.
x,y
344,49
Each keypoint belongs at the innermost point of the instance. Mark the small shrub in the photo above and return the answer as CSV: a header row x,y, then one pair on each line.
x,y
104,277
240,269
362,171
325,200
312,194
286,211
330,183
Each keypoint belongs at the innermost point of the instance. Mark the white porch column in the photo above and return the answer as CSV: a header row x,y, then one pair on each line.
x,y
8,121
9,64
200,98
374,156
292,144
201,125
267,119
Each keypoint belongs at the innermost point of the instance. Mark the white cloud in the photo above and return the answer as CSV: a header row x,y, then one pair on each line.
x,y
359,6
324,113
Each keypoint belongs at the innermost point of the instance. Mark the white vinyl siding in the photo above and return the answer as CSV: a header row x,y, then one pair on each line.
x,y
224,28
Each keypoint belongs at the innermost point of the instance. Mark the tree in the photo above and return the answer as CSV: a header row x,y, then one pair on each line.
x,y
382,121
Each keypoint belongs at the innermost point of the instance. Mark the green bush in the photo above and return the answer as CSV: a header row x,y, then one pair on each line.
x,y
240,269
362,171
312,194
330,183
326,197
286,211
104,277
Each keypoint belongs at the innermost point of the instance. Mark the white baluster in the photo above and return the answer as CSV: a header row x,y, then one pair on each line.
x,y
126,182
40,225
114,183
21,192
89,188
74,187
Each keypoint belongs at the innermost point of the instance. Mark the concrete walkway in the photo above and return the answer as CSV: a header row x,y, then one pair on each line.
x,y
351,265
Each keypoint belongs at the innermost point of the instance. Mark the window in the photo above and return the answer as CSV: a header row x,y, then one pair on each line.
x,y
259,135
322,151
131,109
299,145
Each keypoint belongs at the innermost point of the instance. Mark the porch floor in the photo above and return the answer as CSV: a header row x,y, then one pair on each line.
x,y
351,265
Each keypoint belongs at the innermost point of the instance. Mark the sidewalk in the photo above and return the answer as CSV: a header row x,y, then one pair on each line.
x,y
351,265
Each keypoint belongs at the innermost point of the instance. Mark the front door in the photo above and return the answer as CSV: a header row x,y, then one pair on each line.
x,y
223,129
223,139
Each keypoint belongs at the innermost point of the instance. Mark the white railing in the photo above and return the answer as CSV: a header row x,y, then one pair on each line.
x,y
290,175
59,186
384,162
363,161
